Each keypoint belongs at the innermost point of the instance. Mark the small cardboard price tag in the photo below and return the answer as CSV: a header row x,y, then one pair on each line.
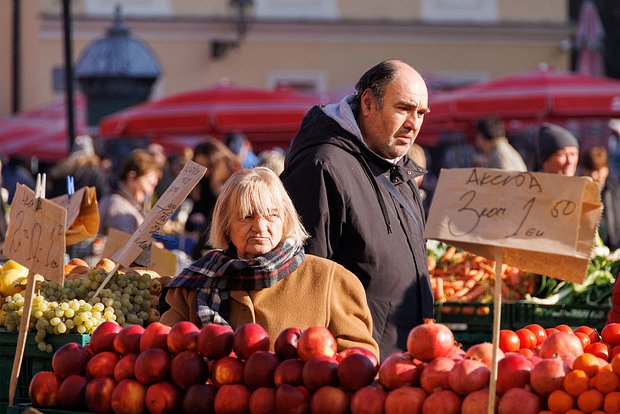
x,y
35,235
161,213
543,223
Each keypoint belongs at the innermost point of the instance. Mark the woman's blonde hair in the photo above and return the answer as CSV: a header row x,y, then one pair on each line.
x,y
253,191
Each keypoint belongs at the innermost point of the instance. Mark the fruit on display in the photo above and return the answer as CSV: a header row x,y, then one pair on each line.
x,y
71,308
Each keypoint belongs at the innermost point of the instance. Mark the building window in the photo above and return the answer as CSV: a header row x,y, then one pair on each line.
x,y
309,82
459,10
298,9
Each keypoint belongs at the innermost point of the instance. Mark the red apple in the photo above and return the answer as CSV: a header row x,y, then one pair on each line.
x,y
227,370
232,399
71,393
356,371
263,401
199,398
292,399
399,369
163,397
43,389
358,350
290,372
128,397
103,336
286,343
98,394
155,336
182,337
260,368
127,341
320,371
316,341
125,368
405,400
215,341
102,364
152,365
329,400
368,400
188,368
70,359
249,338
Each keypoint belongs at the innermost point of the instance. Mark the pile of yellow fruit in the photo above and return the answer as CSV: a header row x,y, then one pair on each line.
x,y
13,278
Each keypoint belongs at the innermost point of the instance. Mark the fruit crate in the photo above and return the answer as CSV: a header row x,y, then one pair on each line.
x,y
549,316
33,361
28,408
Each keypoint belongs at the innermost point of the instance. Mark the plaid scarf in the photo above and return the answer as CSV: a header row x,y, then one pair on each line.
x,y
220,271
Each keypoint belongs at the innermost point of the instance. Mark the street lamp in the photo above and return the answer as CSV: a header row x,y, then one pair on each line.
x,y
240,16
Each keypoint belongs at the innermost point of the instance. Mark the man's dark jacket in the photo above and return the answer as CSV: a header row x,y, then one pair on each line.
x,y
610,197
353,220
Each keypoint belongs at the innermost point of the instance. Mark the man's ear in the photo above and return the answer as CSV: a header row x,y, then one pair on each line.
x,y
367,101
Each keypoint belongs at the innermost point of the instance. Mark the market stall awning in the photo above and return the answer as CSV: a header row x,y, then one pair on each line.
x,y
542,94
41,132
265,116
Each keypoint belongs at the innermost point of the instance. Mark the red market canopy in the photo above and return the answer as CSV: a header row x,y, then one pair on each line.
x,y
41,132
542,94
267,117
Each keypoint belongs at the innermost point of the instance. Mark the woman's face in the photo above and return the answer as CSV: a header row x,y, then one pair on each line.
x,y
255,235
143,185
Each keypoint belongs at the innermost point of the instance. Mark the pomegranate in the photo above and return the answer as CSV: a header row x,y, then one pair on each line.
x,y
442,402
434,376
513,371
483,352
468,376
405,399
477,402
561,343
519,400
429,341
548,375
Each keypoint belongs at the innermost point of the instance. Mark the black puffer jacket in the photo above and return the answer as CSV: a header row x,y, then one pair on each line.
x,y
354,220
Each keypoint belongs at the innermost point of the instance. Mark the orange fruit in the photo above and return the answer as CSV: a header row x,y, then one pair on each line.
x,y
576,382
588,363
612,402
590,400
559,401
574,411
606,381
615,364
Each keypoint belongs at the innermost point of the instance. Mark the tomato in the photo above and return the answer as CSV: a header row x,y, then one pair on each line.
x,y
539,331
614,351
600,349
584,338
525,351
565,328
527,338
509,341
551,331
591,332
611,334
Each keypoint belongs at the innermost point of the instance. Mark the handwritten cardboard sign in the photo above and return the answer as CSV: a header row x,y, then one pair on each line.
x,y
161,260
161,213
543,223
35,236
82,214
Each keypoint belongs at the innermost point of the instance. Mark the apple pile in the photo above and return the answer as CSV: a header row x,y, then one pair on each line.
x,y
160,369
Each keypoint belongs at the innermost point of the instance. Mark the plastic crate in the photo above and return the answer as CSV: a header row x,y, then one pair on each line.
x,y
549,316
33,361
471,316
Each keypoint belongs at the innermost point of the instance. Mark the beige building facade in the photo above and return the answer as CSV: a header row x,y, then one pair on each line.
x,y
315,45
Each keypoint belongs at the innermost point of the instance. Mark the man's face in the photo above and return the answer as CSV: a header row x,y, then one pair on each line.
x,y
389,130
563,161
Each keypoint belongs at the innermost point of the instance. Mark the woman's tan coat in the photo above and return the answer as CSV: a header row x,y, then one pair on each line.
x,y
319,292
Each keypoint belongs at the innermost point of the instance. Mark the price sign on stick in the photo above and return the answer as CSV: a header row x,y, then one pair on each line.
x,y
35,237
157,217
543,223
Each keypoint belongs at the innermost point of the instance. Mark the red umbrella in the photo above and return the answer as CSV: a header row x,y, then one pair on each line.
x,y
41,132
543,94
267,117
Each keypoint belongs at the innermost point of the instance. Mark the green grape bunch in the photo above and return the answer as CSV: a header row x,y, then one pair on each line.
x,y
70,308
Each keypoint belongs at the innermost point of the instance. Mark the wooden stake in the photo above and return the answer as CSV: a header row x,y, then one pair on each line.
x,y
497,318
106,280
